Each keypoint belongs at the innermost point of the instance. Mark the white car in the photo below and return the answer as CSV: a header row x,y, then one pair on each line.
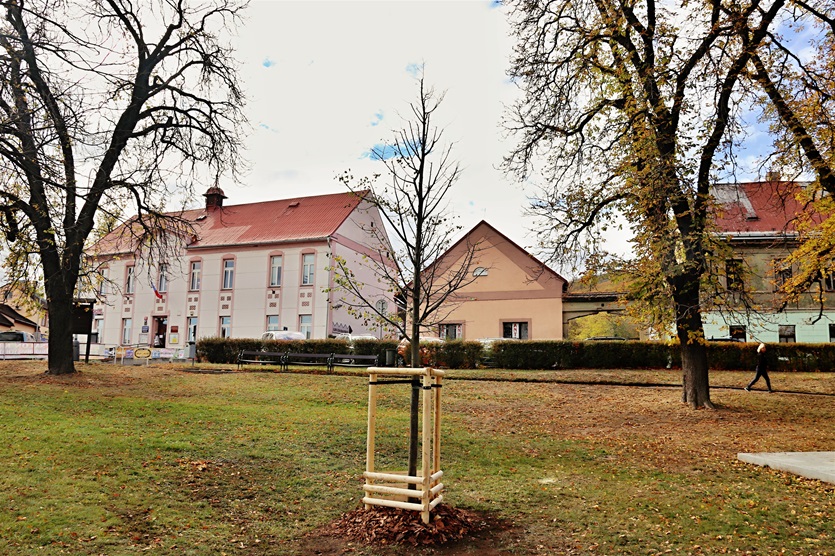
x,y
351,338
282,335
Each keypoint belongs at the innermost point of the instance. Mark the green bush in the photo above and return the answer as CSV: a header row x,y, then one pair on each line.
x,y
458,354
225,350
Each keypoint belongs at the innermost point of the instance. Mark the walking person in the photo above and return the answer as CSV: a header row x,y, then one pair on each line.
x,y
762,370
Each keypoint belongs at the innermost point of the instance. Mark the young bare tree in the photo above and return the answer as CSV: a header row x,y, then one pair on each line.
x,y
107,106
412,198
632,108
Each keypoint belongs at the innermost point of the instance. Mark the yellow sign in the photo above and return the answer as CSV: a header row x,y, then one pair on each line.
x,y
142,353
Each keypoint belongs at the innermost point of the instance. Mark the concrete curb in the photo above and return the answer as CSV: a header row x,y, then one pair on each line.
x,y
813,465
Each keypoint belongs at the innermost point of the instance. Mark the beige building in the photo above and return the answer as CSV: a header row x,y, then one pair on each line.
x,y
511,294
23,311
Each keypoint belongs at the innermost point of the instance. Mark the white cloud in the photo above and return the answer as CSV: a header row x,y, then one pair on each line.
x,y
327,81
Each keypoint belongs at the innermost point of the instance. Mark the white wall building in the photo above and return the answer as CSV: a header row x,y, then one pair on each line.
x,y
249,268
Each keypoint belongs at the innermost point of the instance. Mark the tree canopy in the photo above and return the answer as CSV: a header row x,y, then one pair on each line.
x,y
637,109
107,106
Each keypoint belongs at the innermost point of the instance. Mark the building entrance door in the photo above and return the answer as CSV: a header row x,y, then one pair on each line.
x,y
160,331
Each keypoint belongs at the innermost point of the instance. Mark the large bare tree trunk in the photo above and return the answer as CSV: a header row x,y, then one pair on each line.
x,y
695,377
60,335
694,364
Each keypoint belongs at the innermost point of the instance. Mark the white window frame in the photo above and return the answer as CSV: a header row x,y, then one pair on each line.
x,y
162,280
273,323
306,325
127,325
275,270
228,274
454,327
308,268
225,327
191,327
105,273
130,279
194,276
518,332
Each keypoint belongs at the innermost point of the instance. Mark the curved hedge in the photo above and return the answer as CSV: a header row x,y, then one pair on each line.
x,y
545,354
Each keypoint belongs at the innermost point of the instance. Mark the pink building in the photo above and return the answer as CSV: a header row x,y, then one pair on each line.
x,y
248,269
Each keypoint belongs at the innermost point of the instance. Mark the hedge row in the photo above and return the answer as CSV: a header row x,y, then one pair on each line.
x,y
225,350
551,354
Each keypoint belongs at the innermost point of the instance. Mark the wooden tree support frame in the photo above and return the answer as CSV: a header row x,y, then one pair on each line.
x,y
391,489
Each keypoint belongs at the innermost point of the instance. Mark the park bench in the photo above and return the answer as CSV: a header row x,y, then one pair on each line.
x,y
320,359
352,360
251,356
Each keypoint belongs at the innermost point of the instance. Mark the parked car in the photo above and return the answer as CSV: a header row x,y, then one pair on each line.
x,y
16,336
487,343
351,338
282,335
605,339
425,354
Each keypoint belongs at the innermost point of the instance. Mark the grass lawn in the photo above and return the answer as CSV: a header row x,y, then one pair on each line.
x,y
122,460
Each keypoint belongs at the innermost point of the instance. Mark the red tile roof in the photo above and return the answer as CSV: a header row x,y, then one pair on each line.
x,y
268,222
285,220
758,208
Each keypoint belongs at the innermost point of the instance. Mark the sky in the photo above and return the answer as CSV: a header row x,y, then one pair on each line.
x,y
327,81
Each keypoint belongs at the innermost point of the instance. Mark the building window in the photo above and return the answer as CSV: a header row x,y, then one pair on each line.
x,y
306,325
733,275
225,327
480,271
103,281
832,332
782,274
829,281
786,333
162,281
98,326
126,331
275,271
272,323
738,332
516,330
130,280
191,326
194,276
228,273
307,269
451,331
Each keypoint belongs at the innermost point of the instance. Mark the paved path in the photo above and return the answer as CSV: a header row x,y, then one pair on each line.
x,y
814,465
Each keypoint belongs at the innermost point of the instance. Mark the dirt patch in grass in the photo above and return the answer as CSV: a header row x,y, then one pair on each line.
x,y
451,531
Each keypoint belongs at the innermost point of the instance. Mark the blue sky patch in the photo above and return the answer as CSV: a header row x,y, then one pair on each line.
x,y
267,127
377,118
380,151
496,3
267,63
414,69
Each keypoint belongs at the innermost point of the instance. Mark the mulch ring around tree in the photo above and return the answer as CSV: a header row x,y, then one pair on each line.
x,y
382,526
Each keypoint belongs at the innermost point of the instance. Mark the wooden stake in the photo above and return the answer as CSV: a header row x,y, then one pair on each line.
x,y
372,425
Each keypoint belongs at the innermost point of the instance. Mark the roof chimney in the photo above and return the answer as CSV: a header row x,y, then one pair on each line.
x,y
214,198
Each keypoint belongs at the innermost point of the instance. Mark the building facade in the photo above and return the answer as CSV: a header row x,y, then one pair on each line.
x,y
248,269
511,293
21,310
757,219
